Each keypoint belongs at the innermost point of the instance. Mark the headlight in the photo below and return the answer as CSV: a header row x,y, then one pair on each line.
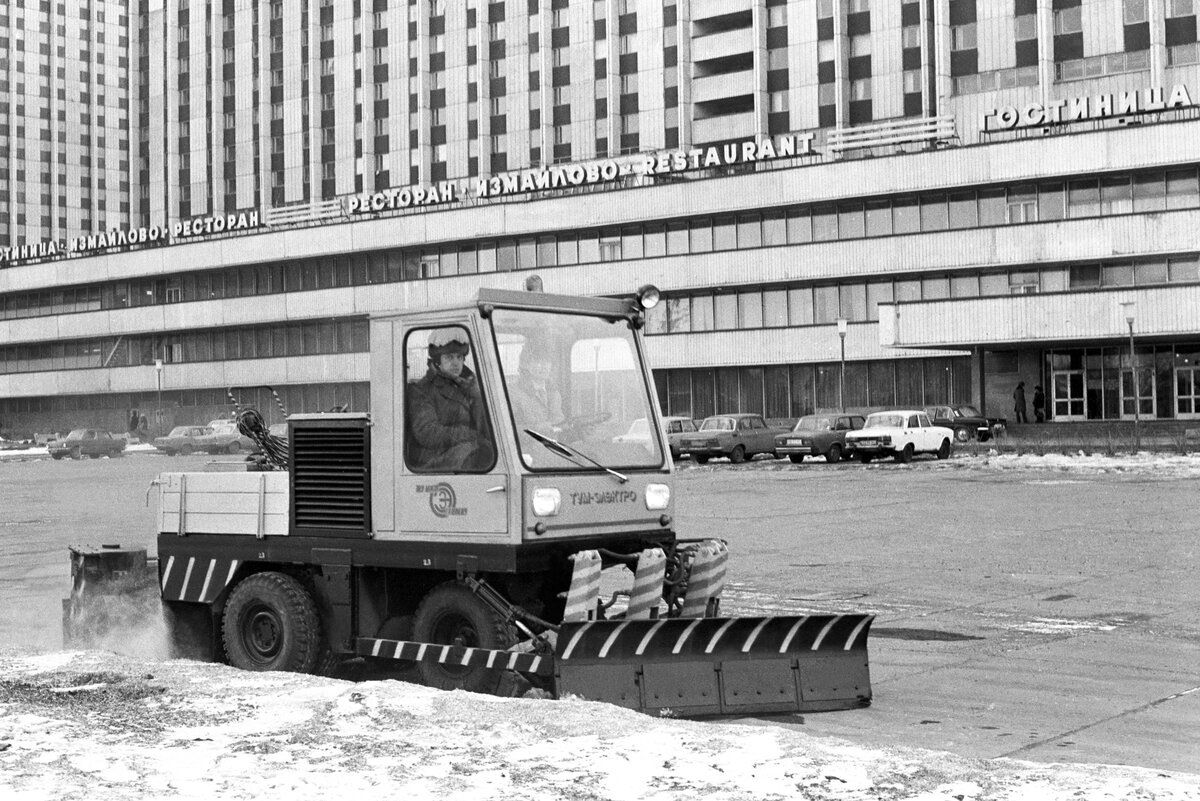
x,y
886,439
546,501
658,496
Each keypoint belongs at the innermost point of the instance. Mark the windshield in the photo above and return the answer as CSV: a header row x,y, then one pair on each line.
x,y
717,424
885,421
813,424
578,380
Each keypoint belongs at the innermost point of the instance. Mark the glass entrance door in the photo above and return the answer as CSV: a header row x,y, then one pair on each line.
x,y
1137,392
1187,392
1068,399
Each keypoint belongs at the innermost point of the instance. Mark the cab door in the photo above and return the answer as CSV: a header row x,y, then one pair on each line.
x,y
451,481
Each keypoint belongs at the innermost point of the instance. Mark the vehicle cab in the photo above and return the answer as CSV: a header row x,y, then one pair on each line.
x,y
549,386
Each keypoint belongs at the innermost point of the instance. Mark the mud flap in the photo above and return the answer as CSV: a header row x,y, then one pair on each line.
x,y
718,666
114,591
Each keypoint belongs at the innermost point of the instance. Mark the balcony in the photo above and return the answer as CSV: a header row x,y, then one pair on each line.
x,y
720,129
707,9
722,45
719,87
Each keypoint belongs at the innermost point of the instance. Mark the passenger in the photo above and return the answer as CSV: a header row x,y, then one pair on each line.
x,y
536,403
448,425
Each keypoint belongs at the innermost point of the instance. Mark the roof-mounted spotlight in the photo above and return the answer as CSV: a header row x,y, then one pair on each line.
x,y
647,296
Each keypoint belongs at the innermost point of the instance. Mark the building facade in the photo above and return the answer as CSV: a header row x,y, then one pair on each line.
x,y
846,202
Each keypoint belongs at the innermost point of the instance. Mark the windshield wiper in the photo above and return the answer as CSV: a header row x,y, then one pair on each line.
x,y
574,454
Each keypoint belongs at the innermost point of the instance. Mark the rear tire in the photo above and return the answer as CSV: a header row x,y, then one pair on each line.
x,y
834,455
796,458
271,623
450,614
943,452
234,447
905,456
186,450
737,455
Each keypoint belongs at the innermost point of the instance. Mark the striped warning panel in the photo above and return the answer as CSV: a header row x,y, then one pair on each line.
x,y
196,579
712,638
455,655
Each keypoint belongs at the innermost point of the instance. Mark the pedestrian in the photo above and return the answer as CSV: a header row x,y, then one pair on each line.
x,y
1039,404
1019,403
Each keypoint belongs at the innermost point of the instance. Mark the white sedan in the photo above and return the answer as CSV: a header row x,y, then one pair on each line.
x,y
900,434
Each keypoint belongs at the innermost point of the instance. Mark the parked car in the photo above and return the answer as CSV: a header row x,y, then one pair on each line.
x,y
225,438
181,440
674,427
818,435
87,442
738,436
966,422
902,434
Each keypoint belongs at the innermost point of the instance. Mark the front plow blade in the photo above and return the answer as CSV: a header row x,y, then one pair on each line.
x,y
718,666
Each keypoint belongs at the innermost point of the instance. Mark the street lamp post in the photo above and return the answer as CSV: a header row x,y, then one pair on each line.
x,y
842,324
1129,306
158,370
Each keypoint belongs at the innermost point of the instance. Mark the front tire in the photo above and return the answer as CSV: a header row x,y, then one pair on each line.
x,y
943,451
866,458
186,450
796,458
453,615
834,455
234,447
906,455
271,623
737,455
699,459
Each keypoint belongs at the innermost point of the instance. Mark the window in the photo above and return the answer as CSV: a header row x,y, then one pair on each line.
x,y
860,90
1181,8
1135,11
860,45
1025,27
962,37
910,36
1068,20
912,81
431,445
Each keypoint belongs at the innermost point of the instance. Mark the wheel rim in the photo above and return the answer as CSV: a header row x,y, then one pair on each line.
x,y
261,630
738,455
456,630
234,447
961,435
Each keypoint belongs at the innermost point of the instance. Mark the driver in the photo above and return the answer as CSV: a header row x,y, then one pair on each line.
x,y
448,425
537,404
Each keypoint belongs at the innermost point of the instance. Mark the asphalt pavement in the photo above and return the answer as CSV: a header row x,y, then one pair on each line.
x,y
1045,614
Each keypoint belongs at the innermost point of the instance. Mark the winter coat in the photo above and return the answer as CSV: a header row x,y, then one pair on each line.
x,y
447,422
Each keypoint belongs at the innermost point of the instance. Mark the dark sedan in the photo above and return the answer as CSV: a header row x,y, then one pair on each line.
x,y
966,422
818,435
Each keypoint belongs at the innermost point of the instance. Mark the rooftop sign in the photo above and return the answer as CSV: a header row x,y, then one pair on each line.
x,y
1095,107
585,174
177,231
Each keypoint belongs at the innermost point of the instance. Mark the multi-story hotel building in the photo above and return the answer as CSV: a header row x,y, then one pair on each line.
x,y
956,194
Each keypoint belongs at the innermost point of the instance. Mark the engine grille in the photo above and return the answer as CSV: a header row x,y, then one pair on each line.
x,y
330,474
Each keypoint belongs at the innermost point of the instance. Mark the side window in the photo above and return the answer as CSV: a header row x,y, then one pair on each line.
x,y
447,428
913,421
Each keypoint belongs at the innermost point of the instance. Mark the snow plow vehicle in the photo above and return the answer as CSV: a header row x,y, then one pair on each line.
x,y
485,521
